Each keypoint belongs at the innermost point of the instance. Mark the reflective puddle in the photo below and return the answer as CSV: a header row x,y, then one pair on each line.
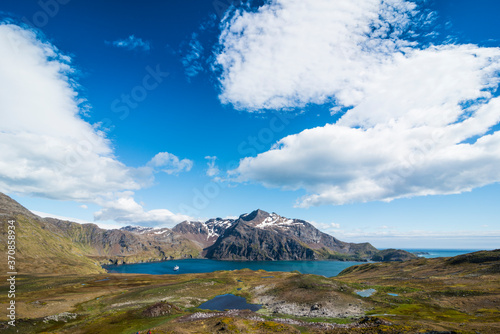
x,y
229,302
366,293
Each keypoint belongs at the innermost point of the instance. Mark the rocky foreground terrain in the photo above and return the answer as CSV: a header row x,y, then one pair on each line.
x,y
443,295
47,245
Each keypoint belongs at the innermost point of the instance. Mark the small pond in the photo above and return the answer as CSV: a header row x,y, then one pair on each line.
x,y
393,294
102,280
366,293
229,302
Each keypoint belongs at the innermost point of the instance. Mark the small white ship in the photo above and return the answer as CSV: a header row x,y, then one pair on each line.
x,y
176,268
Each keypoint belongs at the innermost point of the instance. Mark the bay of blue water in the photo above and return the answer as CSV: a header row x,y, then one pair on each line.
x,y
192,266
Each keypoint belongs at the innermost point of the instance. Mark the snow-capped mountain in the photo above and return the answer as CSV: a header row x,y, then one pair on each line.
x,y
260,235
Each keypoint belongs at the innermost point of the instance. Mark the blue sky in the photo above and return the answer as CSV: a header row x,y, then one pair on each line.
x,y
377,121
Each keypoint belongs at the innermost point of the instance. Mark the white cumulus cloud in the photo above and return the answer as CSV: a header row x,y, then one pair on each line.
x,y
290,53
421,120
45,146
169,163
125,210
47,149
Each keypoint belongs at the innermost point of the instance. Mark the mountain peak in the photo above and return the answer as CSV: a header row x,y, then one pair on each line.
x,y
255,215
10,207
262,219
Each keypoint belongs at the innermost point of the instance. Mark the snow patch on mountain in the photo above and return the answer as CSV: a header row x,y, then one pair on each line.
x,y
162,232
217,226
276,220
146,230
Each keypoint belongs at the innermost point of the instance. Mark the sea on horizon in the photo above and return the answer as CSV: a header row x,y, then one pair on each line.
x,y
432,253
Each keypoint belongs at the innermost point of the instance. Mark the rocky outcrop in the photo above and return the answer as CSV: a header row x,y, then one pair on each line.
x,y
327,309
161,309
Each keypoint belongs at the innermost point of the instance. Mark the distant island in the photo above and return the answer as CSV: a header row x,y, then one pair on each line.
x,y
420,253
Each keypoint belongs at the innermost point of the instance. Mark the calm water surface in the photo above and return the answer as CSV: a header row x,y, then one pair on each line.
x,y
193,266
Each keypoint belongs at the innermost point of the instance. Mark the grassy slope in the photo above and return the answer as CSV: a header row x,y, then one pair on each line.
x,y
42,249
448,294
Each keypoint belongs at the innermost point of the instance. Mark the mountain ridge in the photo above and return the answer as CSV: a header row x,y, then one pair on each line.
x,y
63,246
